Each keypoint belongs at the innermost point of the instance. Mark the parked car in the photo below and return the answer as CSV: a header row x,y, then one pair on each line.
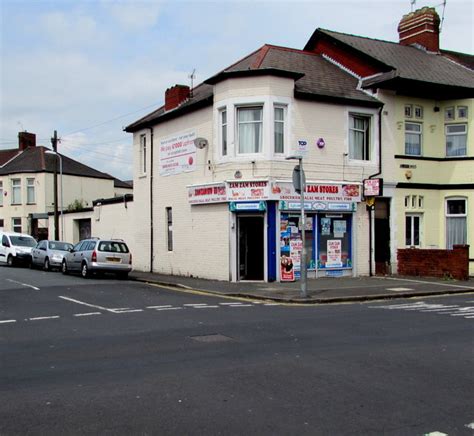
x,y
99,255
15,248
49,254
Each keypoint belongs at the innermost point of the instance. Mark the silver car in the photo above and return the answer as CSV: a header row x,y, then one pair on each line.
x,y
99,255
49,254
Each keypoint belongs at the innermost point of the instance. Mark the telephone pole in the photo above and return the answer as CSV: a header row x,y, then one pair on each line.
x,y
54,142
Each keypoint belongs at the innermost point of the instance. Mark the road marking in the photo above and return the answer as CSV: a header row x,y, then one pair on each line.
x,y
399,289
242,305
230,304
195,304
88,314
206,307
158,307
39,318
23,284
7,321
435,433
170,308
429,283
471,425
95,306
127,310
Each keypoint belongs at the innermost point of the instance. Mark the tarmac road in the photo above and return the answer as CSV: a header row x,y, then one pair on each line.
x,y
103,356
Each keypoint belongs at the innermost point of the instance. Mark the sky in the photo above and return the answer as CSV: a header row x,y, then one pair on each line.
x,y
88,68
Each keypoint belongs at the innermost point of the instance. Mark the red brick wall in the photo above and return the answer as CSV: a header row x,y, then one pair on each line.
x,y
348,60
435,263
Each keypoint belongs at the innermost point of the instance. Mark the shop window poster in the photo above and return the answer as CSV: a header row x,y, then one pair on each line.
x,y
325,226
339,228
334,254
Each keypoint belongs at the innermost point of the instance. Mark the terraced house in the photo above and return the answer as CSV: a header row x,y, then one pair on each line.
x,y
214,185
27,189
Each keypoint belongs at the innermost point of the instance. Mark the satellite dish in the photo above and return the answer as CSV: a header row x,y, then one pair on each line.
x,y
201,143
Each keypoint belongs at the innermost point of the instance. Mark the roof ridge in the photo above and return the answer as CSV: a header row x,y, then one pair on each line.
x,y
361,37
294,50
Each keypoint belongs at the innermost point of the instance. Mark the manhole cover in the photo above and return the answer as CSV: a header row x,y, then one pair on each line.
x,y
215,337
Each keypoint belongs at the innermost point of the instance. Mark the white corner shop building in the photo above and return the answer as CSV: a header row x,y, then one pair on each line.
x,y
225,207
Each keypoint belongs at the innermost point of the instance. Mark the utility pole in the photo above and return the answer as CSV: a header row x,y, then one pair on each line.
x,y
54,142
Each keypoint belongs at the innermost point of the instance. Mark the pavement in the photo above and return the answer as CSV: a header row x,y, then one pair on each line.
x,y
319,291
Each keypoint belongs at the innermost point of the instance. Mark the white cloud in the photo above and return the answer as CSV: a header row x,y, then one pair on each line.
x,y
134,15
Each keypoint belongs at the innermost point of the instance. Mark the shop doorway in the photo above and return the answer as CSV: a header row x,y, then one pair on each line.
x,y
250,248
382,236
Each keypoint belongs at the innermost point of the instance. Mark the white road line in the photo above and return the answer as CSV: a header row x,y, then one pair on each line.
x,y
399,289
23,284
169,308
470,312
158,307
195,304
206,307
230,304
88,314
39,318
95,306
271,304
471,425
7,321
243,305
429,283
441,308
469,317
127,311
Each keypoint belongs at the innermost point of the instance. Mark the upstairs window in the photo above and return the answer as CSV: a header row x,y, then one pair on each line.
x,y
16,191
223,131
143,154
462,111
359,137
250,129
456,140
413,139
449,113
1,193
30,191
279,129
456,223
169,228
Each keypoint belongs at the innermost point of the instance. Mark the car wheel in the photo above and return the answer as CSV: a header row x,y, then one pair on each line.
x,y
10,260
64,269
47,266
85,271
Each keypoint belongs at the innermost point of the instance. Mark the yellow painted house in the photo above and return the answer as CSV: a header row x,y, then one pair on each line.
x,y
427,142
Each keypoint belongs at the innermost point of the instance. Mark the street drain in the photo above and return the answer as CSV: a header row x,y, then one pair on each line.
x,y
215,337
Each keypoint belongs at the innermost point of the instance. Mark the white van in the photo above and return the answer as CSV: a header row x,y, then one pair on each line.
x,y
15,248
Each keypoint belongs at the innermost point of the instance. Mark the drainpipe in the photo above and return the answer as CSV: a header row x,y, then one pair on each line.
x,y
151,199
371,273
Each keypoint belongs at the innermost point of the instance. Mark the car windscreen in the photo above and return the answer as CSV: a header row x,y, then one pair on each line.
x,y
23,241
60,246
113,247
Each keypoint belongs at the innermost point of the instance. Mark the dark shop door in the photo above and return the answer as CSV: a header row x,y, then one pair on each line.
x,y
382,236
250,247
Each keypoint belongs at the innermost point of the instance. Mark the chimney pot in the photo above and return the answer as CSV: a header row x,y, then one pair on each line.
x,y
420,27
25,140
176,95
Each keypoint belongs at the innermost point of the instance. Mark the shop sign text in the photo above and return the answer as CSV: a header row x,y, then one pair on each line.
x,y
205,194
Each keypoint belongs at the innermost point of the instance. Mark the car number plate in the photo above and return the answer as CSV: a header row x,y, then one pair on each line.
x,y
113,259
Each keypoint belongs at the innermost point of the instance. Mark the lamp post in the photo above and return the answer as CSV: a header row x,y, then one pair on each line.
x,y
299,184
58,156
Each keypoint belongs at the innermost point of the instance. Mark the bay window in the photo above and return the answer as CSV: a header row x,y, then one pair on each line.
x,y
250,129
456,222
279,129
456,139
223,131
1,193
413,139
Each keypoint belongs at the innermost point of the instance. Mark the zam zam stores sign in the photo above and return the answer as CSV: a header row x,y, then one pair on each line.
x,y
266,190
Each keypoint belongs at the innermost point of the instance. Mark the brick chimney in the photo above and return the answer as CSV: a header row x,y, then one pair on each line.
x,y
176,95
420,27
26,140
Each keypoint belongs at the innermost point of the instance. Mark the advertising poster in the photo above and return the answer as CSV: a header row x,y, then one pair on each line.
x,y
339,228
287,272
334,259
325,226
296,246
177,154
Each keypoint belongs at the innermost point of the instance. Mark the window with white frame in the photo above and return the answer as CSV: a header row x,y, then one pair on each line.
x,y
1,193
359,137
250,129
16,191
143,154
456,222
418,112
16,225
413,139
413,230
449,113
279,129
462,111
223,131
30,191
456,139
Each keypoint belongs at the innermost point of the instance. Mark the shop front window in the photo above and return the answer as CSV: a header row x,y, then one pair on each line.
x,y
334,241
